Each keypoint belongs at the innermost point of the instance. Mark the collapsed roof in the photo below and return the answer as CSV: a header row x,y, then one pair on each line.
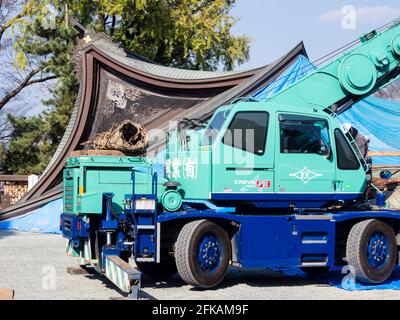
x,y
116,85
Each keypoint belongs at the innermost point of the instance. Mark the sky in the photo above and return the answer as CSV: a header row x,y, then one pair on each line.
x,y
276,26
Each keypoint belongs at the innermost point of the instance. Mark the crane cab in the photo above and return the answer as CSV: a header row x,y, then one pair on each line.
x,y
269,155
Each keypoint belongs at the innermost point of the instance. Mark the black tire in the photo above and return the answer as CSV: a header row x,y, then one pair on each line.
x,y
159,271
313,272
125,255
187,249
357,251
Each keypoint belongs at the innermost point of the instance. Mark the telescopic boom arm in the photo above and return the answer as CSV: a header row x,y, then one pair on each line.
x,y
353,76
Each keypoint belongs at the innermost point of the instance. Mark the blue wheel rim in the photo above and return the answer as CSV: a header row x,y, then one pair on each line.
x,y
378,250
209,253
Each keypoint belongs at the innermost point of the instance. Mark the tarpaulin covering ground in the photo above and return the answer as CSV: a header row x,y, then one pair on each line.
x,y
44,220
346,281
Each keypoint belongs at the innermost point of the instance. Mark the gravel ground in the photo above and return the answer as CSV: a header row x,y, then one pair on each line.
x,y
34,265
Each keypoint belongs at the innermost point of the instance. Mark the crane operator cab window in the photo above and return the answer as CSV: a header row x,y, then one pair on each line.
x,y
346,157
248,132
213,128
302,134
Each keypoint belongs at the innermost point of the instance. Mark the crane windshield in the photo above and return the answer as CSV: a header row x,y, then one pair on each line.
x,y
213,127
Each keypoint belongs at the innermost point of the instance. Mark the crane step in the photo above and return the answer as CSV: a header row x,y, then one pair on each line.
x,y
139,259
146,227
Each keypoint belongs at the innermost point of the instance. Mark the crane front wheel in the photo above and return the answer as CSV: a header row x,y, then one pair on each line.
x,y
202,253
371,250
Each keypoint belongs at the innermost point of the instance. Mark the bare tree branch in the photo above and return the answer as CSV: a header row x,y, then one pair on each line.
x,y
29,80
40,80
8,24
7,20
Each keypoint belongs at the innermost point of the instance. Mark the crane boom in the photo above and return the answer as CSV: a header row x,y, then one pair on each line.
x,y
351,77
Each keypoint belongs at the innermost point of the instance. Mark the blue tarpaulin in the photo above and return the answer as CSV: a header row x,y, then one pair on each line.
x,y
44,220
344,280
379,120
299,69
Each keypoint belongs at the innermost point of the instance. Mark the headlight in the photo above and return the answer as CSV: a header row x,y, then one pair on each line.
x,y
145,204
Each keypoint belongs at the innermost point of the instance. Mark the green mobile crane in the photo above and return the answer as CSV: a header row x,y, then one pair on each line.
x,y
272,183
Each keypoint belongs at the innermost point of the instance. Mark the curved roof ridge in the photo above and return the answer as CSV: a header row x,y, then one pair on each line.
x,y
116,51
160,70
